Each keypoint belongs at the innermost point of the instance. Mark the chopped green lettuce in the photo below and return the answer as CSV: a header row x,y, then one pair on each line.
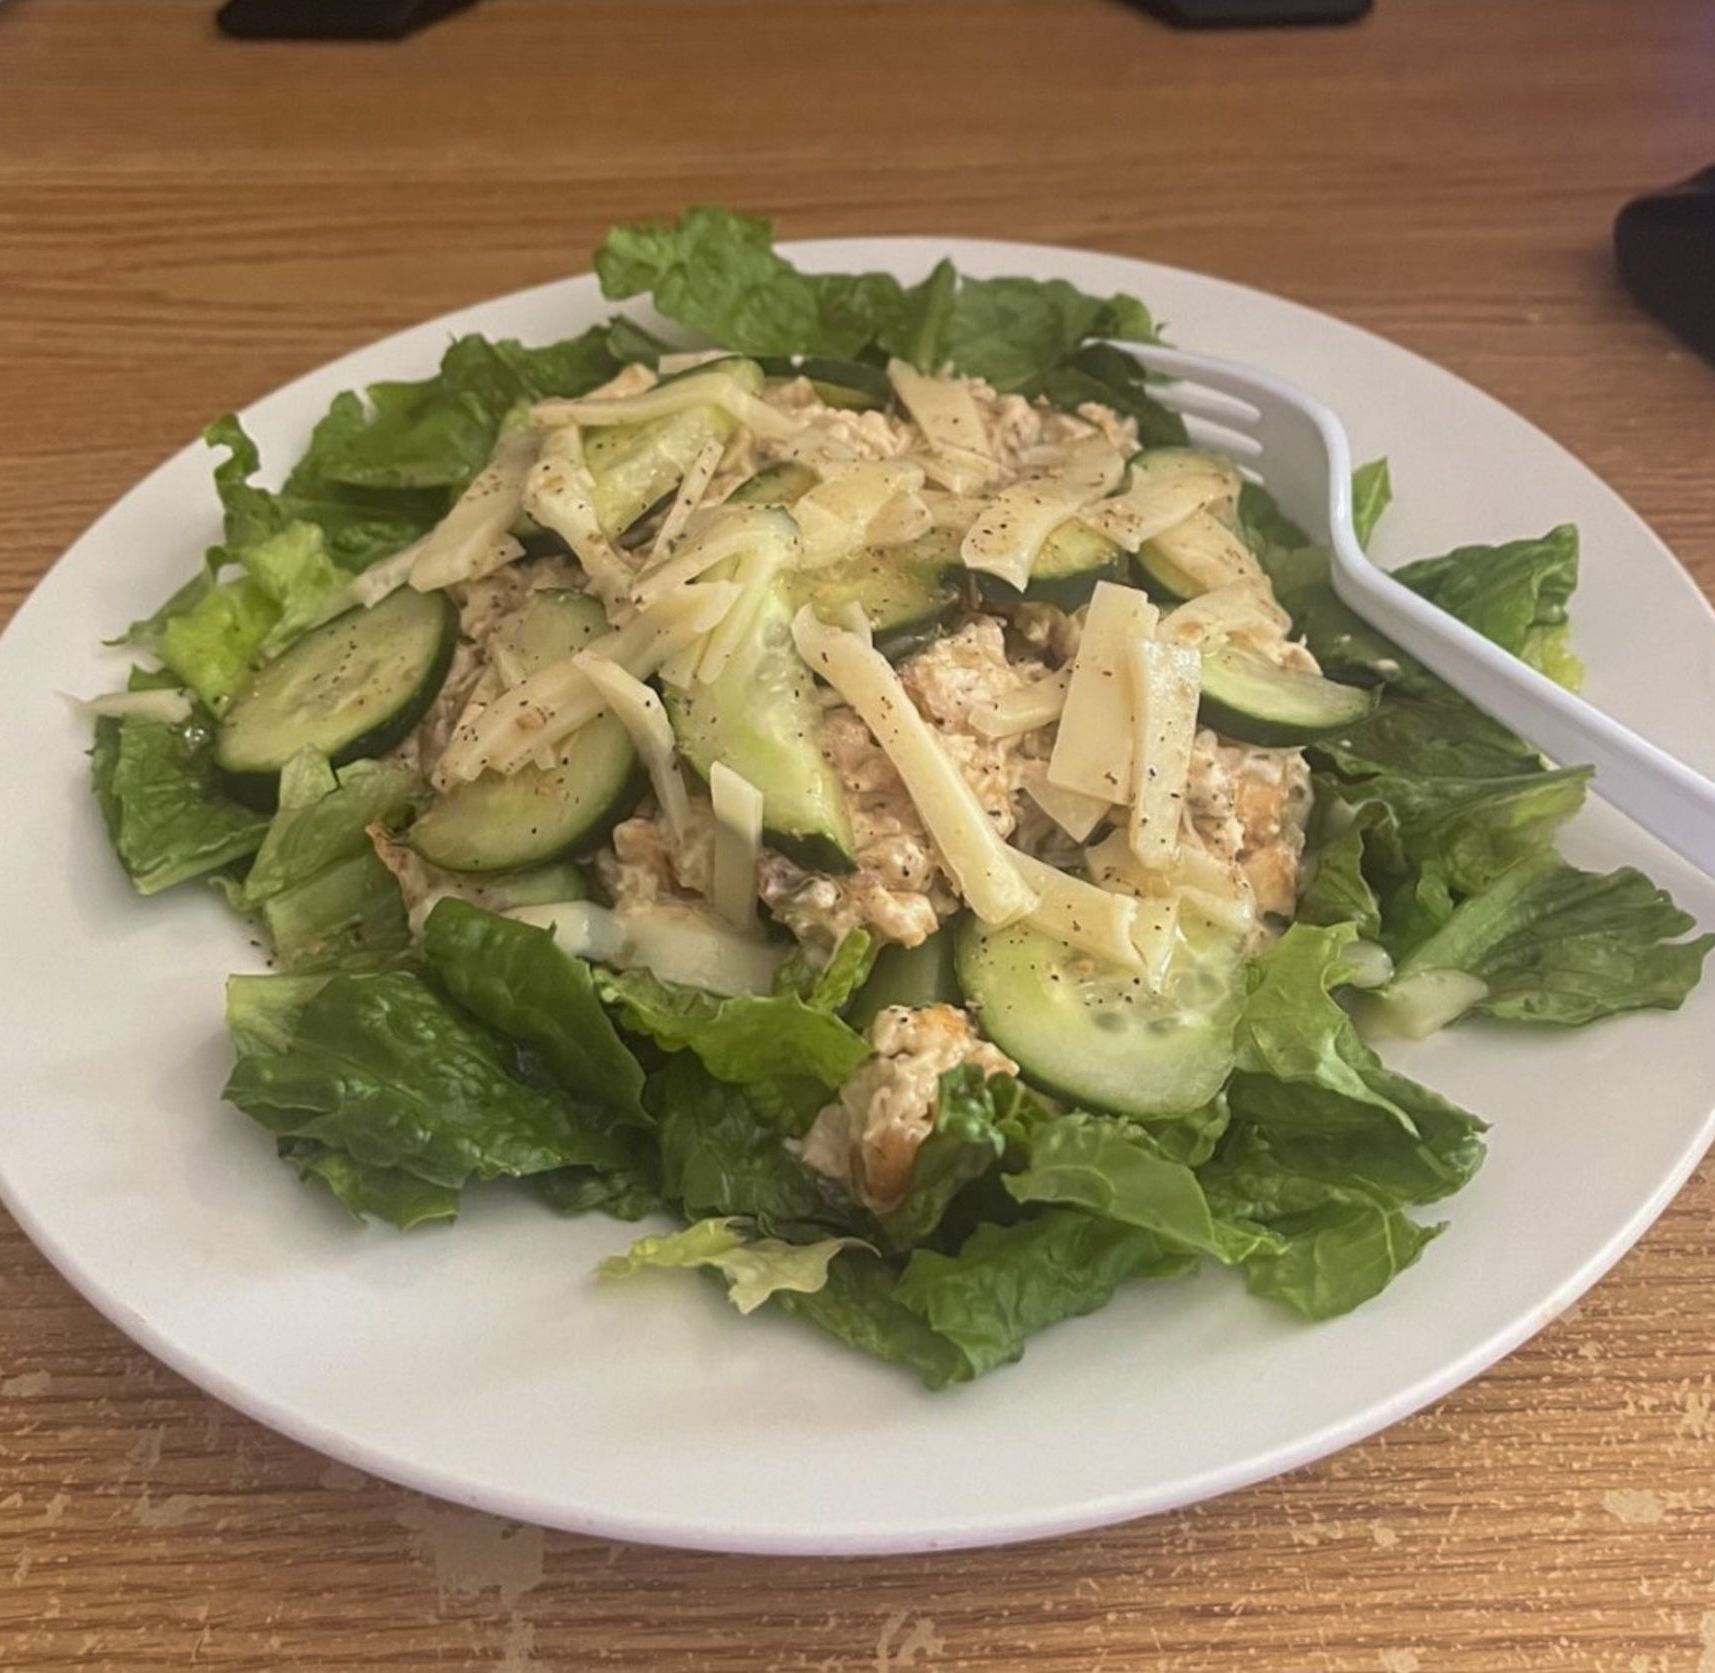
x,y
382,1068
1113,1168
519,981
1516,594
859,1306
1550,943
164,810
749,1039
288,579
1007,1282
1333,1258
754,1267
400,1198
720,274
721,1155
1372,493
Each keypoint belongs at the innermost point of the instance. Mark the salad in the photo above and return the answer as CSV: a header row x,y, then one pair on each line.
x,y
859,781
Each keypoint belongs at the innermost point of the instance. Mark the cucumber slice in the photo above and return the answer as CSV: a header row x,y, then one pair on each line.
x,y
906,592
761,717
1092,1033
774,485
1162,578
353,687
1072,560
926,974
637,465
1245,696
501,822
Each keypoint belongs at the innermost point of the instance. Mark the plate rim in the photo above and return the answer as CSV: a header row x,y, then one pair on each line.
x,y
892,253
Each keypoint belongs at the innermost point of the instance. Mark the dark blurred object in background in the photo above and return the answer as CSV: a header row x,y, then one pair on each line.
x,y
1665,246
1238,14
311,20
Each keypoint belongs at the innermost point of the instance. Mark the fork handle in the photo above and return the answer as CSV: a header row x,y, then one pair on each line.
x,y
1657,790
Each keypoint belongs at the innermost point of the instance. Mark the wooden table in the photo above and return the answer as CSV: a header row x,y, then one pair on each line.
x,y
186,222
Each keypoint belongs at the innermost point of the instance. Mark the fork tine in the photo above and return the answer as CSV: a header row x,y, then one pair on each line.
x,y
1217,438
1196,402
1192,368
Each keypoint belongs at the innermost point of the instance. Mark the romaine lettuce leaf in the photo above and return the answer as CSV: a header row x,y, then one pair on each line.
x,y
520,982
749,1039
358,525
164,811
380,1067
830,986
1337,891
1372,494
1112,1168
287,580
719,1155
1311,1099
623,1193
1100,372
1008,1282
1554,944
387,1194
754,1267
312,832
348,916
1333,1258
1515,594
720,274
858,1305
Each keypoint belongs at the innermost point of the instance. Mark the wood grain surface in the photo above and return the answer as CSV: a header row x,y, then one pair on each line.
x,y
186,221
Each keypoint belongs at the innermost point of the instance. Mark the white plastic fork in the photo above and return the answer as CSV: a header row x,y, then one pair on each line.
x,y
1293,444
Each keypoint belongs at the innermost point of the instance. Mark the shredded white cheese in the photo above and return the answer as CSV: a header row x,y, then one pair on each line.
x,y
700,389
560,495
1093,749
692,486
1167,486
870,502
738,846
464,545
555,701
641,713
981,863
1074,812
946,412
1164,681
1207,552
1024,709
1009,533
169,707
1080,914
729,531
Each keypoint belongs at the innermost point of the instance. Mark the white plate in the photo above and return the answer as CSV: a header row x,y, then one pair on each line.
x,y
486,1365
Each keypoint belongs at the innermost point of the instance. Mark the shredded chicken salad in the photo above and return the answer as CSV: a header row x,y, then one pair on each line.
x,y
874,788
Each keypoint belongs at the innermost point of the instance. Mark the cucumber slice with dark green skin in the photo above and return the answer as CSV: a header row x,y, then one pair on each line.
x,y
906,592
780,484
1093,1033
926,974
1160,577
1072,560
1247,697
635,466
353,687
502,822
762,718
